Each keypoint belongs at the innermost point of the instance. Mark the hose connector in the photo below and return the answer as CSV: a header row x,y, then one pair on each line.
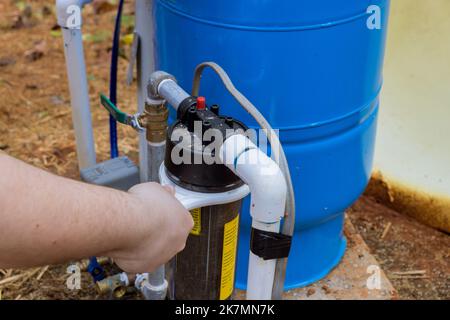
x,y
154,120
149,291
84,264
115,285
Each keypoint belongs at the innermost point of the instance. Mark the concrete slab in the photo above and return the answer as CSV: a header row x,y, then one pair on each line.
x,y
348,281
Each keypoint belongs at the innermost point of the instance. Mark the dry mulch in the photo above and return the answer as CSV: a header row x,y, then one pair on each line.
x,y
35,114
415,257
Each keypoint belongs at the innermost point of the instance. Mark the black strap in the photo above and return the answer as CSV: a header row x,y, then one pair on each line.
x,y
270,245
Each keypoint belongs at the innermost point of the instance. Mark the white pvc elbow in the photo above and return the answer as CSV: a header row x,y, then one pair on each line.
x,y
263,176
267,204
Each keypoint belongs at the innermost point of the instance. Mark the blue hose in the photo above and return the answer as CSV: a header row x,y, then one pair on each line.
x,y
113,82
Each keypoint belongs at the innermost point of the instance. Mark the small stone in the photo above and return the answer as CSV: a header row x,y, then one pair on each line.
x,y
31,86
310,292
46,10
326,289
37,52
7,61
3,146
56,100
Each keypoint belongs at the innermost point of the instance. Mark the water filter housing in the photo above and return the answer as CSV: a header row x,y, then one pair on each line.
x,y
205,269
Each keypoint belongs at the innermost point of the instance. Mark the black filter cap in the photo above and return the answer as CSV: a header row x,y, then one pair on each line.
x,y
190,155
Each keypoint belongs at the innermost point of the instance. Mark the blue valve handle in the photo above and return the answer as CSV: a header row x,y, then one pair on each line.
x,y
96,270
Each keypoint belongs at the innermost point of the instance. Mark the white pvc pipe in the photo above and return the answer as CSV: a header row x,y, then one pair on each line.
x,y
261,273
145,66
68,12
267,204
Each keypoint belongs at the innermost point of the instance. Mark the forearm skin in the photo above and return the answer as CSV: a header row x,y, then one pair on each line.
x,y
47,219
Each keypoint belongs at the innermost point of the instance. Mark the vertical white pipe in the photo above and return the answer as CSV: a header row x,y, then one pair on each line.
x,y
79,96
261,272
145,66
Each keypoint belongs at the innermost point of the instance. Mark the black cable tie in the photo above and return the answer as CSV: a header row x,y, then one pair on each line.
x,y
270,245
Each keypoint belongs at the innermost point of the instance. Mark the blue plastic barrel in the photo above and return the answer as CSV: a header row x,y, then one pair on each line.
x,y
314,69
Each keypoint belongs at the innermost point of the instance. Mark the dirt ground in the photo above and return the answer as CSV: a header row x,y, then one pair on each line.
x,y
35,126
416,258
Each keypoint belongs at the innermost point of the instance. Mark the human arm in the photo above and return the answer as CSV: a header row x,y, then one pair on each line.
x,y
47,219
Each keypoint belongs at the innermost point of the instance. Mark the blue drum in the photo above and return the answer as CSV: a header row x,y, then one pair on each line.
x,y
314,69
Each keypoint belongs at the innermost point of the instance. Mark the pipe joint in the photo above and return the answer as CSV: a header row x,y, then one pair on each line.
x,y
83,264
154,81
263,176
149,291
154,119
115,285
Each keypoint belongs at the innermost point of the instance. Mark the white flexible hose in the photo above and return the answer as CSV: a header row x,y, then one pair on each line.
x,y
288,225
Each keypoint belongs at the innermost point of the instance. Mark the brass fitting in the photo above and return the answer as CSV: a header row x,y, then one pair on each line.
x,y
116,285
83,264
154,119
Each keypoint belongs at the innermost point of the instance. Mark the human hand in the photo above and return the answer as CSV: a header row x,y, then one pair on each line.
x,y
159,226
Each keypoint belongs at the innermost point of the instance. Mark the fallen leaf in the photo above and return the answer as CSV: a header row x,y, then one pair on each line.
x,y
37,52
127,39
97,37
56,33
24,18
103,6
47,10
7,61
31,86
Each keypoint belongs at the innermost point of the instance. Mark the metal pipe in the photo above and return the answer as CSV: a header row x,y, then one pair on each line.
x,y
145,66
69,19
172,92
156,153
151,291
155,286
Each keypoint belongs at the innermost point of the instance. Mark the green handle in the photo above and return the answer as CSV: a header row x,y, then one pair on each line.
x,y
117,114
